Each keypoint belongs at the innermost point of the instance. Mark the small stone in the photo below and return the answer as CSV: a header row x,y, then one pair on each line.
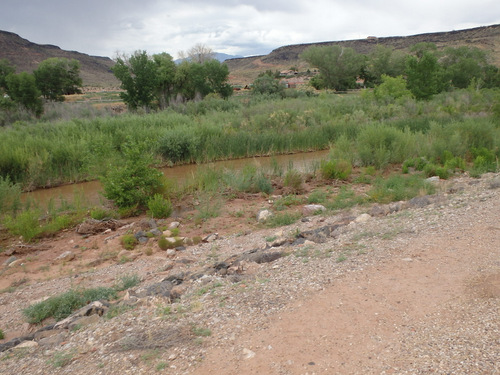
x,y
174,224
26,344
211,237
363,218
66,256
171,252
15,263
311,209
156,232
10,260
264,215
247,353
167,233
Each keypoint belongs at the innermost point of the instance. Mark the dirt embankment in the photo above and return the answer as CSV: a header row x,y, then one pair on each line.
x,y
400,289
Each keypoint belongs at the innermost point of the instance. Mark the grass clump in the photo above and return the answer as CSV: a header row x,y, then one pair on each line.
x,y
2,335
282,219
128,241
399,187
336,169
62,305
62,358
293,181
159,207
128,281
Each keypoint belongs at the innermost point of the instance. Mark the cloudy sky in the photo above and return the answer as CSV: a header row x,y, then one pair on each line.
x,y
236,27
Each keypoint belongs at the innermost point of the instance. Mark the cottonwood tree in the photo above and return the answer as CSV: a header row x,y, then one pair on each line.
x,y
22,90
56,77
200,53
338,66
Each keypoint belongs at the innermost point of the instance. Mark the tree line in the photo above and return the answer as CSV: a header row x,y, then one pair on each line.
x,y
426,70
53,78
155,81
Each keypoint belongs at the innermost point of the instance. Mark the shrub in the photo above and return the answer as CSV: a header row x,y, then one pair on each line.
x,y
399,187
317,197
165,244
2,335
10,195
129,241
100,213
285,218
127,281
293,181
26,224
133,182
336,169
436,170
159,207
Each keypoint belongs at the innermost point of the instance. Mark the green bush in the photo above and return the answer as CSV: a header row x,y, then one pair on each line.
x,y
336,169
129,241
164,244
431,170
283,219
10,195
127,282
159,207
2,335
61,306
317,197
133,182
25,224
293,181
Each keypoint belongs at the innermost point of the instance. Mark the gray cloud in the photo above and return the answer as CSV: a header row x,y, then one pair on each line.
x,y
232,26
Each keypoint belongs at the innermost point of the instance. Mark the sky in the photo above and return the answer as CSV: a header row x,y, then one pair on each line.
x,y
235,27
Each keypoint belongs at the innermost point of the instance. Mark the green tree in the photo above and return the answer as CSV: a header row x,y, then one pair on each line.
x,y
338,66
424,75
165,75
391,89
138,76
190,80
56,77
216,78
268,84
384,61
5,69
22,89
463,64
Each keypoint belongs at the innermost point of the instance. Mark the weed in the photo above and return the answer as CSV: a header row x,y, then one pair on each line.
x,y
287,201
161,366
293,181
150,355
317,197
129,241
399,187
62,358
159,207
127,281
336,169
341,258
282,219
2,335
200,331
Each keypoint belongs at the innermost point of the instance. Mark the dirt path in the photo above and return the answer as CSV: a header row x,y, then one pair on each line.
x,y
365,322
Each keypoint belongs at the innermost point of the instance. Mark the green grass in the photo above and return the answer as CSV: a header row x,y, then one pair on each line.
x,y
62,305
282,219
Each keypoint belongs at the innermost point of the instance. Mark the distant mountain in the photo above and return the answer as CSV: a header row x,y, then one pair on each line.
x,y
245,70
25,56
223,56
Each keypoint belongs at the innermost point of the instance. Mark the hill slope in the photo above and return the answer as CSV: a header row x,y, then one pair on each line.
x,y
25,55
245,70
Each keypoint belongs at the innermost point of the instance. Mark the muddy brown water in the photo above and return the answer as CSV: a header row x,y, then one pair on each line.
x,y
90,192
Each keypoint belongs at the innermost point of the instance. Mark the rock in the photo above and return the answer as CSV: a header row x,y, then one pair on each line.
x,y
159,289
92,226
96,307
264,215
48,333
66,256
420,202
26,344
379,210
15,263
211,237
156,232
177,291
433,179
143,240
10,260
174,224
363,218
278,242
167,233
171,252
248,354
311,209
56,339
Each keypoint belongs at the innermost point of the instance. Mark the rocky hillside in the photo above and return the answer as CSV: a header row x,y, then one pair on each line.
x,y
25,55
487,38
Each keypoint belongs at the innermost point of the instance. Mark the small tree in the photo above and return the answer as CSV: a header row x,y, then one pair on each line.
x,y
200,53
267,84
424,75
391,89
338,66
22,89
56,77
165,74
5,69
138,75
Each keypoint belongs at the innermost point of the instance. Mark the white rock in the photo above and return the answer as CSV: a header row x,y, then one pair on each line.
x,y
27,344
174,224
311,209
247,353
363,218
264,215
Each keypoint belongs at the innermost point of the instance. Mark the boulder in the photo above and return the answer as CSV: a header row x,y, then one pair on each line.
x,y
264,215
